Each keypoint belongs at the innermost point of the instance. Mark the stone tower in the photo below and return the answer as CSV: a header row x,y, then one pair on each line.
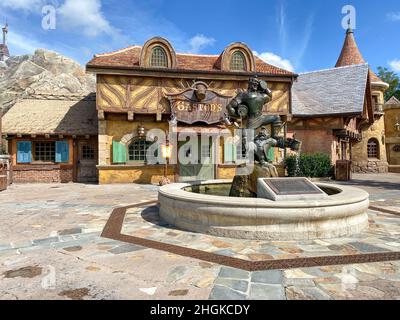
x,y
4,53
373,131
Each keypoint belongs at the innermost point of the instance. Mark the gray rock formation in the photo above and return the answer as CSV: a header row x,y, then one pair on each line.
x,y
44,72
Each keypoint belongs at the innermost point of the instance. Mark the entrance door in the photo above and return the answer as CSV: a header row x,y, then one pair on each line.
x,y
87,161
199,170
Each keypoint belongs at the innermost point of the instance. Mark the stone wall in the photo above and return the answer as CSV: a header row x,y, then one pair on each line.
x,y
370,166
361,162
42,174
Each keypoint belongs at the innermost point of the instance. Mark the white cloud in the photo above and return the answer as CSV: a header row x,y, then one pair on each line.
x,y
85,15
395,65
394,16
275,60
26,5
199,42
281,19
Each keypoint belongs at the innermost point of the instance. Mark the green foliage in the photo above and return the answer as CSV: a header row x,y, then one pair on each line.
x,y
393,80
316,165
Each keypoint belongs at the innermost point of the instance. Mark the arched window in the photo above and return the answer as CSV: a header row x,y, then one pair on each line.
x,y
238,61
137,150
373,148
158,57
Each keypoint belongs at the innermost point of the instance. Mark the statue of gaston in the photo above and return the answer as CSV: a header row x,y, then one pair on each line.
x,y
249,105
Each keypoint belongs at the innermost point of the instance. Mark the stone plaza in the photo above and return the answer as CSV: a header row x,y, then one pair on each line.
x,y
55,244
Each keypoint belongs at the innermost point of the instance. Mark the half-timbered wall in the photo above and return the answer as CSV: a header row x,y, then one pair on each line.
x,y
147,94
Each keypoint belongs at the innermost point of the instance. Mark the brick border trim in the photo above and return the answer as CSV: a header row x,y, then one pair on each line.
x,y
113,228
382,209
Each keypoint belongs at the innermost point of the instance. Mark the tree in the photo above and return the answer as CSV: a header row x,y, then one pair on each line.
x,y
393,80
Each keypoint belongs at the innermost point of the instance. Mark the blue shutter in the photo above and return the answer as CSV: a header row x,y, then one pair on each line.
x,y
24,151
62,152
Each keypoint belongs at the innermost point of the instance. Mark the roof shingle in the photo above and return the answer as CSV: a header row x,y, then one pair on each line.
x,y
328,92
393,101
351,55
129,58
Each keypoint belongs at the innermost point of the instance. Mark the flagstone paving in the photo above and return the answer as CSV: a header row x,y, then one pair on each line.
x,y
51,248
382,236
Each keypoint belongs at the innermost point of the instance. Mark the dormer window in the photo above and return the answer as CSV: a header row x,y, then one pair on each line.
x,y
158,58
238,61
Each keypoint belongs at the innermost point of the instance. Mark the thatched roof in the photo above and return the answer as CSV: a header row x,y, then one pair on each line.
x,y
46,114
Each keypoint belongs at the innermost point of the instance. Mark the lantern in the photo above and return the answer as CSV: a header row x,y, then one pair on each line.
x,y
166,150
141,131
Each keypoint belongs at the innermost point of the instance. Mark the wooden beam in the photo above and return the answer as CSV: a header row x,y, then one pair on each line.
x,y
101,115
188,74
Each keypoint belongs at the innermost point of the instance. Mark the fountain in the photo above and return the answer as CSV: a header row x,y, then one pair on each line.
x,y
258,204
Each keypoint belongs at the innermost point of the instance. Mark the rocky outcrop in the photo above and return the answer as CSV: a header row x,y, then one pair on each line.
x,y
44,72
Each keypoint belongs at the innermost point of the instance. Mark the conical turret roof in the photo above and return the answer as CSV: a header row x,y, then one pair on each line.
x,y
351,55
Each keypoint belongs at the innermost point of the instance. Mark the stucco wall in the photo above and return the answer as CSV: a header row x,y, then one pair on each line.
x,y
317,140
392,116
145,174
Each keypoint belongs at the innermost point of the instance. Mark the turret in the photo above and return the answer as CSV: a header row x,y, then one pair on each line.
x,y
5,32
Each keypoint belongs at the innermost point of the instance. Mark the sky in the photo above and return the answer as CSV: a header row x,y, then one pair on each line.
x,y
298,35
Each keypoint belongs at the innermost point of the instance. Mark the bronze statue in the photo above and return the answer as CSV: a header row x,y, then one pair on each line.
x,y
249,105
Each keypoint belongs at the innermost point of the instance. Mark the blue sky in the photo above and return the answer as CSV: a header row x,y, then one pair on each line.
x,y
303,35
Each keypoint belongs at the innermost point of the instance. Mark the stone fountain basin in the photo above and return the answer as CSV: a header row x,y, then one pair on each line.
x,y
343,213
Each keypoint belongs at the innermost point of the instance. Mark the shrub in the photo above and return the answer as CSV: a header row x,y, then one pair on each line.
x,y
316,165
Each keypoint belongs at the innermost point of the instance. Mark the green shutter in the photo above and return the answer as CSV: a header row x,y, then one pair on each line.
x,y
62,152
119,152
271,154
229,152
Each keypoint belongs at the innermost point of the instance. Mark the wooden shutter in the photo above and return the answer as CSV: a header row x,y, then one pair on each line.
x,y
119,152
271,154
62,152
24,151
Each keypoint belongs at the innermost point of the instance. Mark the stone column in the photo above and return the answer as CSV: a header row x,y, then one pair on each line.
x,y
104,144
